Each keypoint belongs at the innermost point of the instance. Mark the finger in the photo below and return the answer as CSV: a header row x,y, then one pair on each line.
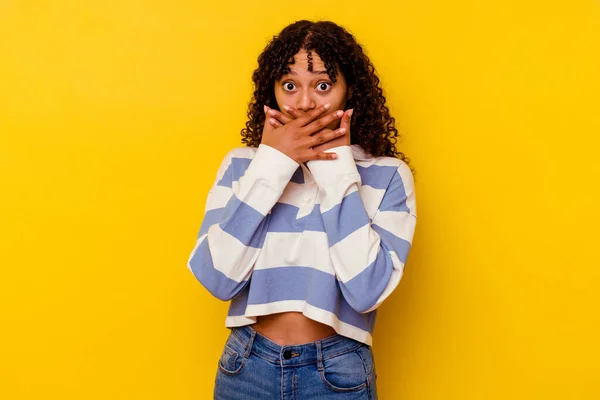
x,y
322,122
310,116
293,111
324,130
321,155
279,116
274,123
268,127
345,123
325,137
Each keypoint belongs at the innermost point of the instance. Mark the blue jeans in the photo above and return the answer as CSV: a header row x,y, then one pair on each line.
x,y
253,367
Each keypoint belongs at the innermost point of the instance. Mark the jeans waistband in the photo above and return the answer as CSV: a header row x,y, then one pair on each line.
x,y
298,354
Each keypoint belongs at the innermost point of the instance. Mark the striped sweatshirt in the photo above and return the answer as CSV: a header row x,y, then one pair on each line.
x,y
328,238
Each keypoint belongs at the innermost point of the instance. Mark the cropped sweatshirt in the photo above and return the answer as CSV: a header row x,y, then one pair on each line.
x,y
329,238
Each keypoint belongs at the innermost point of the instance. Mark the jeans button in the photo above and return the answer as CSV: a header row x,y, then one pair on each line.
x,y
287,354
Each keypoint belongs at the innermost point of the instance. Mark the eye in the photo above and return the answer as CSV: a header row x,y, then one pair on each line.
x,y
324,86
288,86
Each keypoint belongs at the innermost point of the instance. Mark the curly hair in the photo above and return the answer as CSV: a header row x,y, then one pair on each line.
x,y
372,126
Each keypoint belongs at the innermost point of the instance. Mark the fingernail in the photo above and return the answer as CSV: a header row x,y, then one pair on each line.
x,y
286,107
350,112
342,130
334,156
326,106
271,113
339,113
265,108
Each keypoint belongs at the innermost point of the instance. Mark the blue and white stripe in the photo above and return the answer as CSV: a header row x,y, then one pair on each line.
x,y
329,239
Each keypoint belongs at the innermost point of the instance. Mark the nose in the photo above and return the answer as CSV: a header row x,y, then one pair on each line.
x,y
305,101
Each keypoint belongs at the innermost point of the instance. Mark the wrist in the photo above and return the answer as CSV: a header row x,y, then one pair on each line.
x,y
272,166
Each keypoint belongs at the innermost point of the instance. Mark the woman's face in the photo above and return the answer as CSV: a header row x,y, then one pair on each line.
x,y
306,90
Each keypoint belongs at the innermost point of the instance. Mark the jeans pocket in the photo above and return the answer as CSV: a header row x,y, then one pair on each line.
x,y
345,372
232,359
366,353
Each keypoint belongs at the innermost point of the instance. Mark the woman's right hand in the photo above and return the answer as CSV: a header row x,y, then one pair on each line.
x,y
297,138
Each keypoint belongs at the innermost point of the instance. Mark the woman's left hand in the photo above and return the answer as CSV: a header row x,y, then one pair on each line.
x,y
343,140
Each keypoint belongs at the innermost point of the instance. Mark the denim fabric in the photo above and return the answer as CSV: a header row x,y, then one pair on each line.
x,y
253,367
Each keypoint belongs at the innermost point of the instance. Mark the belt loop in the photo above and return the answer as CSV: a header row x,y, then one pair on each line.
x,y
320,366
250,343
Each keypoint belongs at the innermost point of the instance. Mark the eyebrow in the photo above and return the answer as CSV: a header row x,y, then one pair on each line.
x,y
314,72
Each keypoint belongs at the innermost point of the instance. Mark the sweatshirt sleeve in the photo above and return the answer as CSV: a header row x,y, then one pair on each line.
x,y
235,220
368,255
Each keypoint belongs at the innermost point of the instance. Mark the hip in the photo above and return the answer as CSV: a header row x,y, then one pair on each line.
x,y
252,366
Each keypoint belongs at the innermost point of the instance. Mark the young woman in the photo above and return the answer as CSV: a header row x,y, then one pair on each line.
x,y
308,227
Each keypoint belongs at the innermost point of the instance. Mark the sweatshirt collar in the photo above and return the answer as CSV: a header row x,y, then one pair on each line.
x,y
359,153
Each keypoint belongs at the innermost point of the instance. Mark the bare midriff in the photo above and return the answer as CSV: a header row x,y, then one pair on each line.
x,y
290,328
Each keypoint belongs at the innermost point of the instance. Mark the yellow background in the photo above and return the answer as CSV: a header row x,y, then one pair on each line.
x,y
114,116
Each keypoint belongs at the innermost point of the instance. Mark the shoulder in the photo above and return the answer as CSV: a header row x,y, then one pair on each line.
x,y
391,169
399,192
403,171
238,155
366,160
241,152
235,162
390,162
